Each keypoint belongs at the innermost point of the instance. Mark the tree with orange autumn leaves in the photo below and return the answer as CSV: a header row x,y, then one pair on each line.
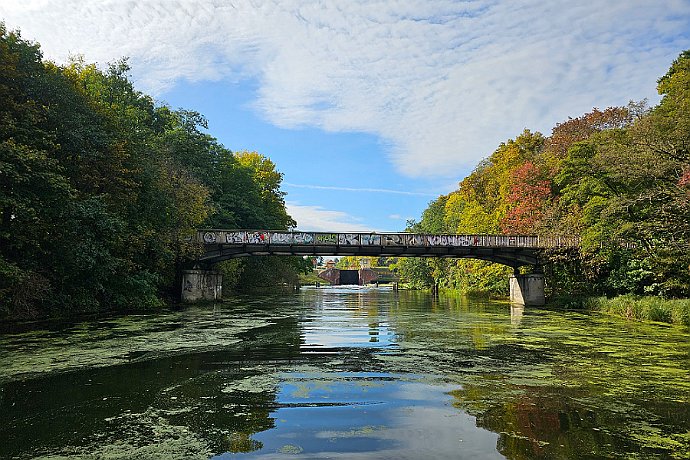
x,y
618,178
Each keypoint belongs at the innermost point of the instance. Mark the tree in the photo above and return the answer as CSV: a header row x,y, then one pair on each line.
x,y
574,130
101,190
530,195
267,177
650,164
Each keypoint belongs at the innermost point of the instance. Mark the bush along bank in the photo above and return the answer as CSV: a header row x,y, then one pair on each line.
x,y
673,311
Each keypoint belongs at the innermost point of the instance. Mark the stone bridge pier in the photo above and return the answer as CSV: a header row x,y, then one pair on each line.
x,y
527,289
200,284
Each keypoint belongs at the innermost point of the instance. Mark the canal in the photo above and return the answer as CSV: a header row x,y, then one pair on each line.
x,y
356,373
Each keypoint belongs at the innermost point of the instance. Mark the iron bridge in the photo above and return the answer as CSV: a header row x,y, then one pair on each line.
x,y
511,250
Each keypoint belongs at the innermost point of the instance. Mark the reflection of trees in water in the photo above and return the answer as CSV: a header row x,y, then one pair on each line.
x,y
449,321
148,401
374,331
546,382
537,425
235,400
518,378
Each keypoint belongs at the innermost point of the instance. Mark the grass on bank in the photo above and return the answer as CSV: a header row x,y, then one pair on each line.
x,y
673,311
676,311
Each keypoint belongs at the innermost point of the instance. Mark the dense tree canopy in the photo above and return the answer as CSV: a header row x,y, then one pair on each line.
x,y
101,188
617,178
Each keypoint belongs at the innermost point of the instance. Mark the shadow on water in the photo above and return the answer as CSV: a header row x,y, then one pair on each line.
x,y
347,372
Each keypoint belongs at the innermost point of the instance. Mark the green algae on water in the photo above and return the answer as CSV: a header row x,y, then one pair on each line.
x,y
290,449
546,384
119,341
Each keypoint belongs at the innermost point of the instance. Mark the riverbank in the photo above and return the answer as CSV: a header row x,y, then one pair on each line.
x,y
675,311
672,311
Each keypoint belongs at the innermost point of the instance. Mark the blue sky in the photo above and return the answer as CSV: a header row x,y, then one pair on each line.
x,y
340,180
371,108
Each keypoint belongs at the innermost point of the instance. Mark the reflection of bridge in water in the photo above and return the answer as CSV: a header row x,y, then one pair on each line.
x,y
511,250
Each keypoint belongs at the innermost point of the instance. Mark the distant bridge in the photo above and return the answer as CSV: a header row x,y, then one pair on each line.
x,y
511,250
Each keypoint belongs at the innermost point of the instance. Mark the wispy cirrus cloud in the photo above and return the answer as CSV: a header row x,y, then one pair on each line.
x,y
441,83
400,217
358,189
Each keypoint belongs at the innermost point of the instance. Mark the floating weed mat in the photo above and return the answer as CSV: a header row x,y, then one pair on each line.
x,y
557,384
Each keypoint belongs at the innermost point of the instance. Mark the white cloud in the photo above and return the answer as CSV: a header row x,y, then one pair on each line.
x,y
318,219
442,83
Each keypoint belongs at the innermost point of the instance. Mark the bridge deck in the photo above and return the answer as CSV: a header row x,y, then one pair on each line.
x,y
512,250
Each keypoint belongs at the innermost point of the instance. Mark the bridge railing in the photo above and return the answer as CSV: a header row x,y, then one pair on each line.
x,y
254,237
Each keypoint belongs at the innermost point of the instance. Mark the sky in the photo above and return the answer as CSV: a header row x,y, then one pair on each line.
x,y
371,109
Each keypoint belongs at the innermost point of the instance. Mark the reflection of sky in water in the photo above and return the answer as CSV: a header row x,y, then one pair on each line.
x,y
340,319
369,415
330,332
300,377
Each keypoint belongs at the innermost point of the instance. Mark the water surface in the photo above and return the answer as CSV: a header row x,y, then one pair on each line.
x,y
347,373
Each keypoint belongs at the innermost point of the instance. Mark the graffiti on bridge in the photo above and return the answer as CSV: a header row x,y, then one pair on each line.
x,y
232,237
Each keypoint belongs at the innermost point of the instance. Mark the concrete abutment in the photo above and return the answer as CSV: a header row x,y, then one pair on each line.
x,y
527,289
198,284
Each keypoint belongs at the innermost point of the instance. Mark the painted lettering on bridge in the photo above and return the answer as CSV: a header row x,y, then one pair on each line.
x,y
416,240
303,238
235,237
370,240
393,240
240,237
281,238
257,237
348,239
326,238
452,240
210,237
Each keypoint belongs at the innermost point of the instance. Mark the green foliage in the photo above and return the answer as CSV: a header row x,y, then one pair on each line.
x,y
101,189
645,308
417,273
480,205
268,273
479,277
420,273
619,179
355,262
310,279
267,179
